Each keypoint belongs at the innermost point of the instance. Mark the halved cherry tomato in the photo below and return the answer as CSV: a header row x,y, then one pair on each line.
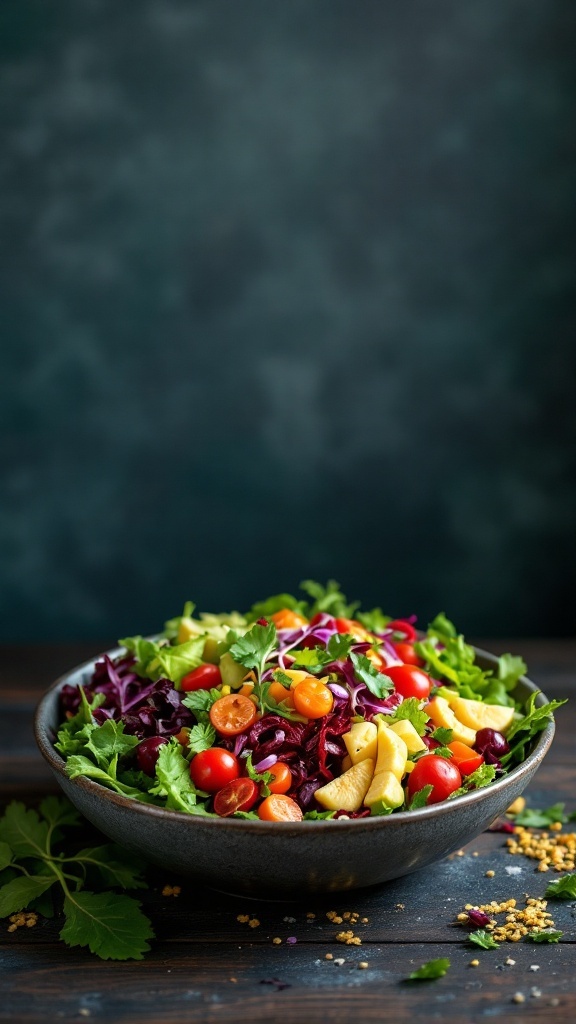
x,y
238,795
437,772
465,759
312,698
280,693
410,681
281,778
232,714
288,619
212,769
279,808
354,628
202,678
408,655
401,626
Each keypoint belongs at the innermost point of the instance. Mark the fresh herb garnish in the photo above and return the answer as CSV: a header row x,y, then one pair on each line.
x,y
443,735
431,969
262,777
545,936
483,776
111,924
531,817
483,939
420,798
562,888
366,673
411,710
523,731
253,650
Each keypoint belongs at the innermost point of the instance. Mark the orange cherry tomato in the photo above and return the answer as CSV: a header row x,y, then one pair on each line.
x,y
465,759
288,619
312,698
279,808
281,778
408,655
182,736
280,694
232,714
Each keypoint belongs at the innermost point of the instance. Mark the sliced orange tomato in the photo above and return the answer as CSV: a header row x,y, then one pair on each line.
x,y
278,807
280,694
288,619
232,714
281,778
465,759
312,698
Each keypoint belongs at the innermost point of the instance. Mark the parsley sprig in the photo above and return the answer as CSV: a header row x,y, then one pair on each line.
x,y
111,924
253,651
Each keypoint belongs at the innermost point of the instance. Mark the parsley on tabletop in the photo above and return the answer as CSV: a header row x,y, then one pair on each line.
x,y
544,936
431,969
531,817
483,939
111,924
562,888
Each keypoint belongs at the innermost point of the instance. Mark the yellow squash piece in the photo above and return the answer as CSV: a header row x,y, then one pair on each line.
x,y
362,741
441,714
408,733
392,752
477,715
385,793
348,791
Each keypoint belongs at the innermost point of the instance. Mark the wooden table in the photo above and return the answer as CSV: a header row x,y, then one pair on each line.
x,y
206,966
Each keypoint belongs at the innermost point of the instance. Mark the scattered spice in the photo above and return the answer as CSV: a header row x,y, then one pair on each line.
x,y
277,941
362,965
490,874
253,922
535,992
474,963
339,961
510,961
534,967
329,956
25,919
518,998
517,806
349,938
291,940
519,922
556,852
171,890
243,918
310,915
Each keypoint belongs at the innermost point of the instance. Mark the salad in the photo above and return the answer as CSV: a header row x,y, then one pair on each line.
x,y
302,708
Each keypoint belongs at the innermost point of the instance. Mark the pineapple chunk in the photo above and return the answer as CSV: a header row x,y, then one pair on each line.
x,y
406,730
477,715
410,766
346,762
441,714
348,791
187,629
392,752
295,675
385,793
362,741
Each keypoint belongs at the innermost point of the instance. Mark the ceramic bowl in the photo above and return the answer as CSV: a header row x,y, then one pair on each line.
x,y
282,859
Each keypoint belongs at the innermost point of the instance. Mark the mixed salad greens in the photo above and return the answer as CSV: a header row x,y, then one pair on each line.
x,y
301,708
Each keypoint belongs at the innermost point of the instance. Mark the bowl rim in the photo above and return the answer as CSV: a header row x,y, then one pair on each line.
x,y
399,818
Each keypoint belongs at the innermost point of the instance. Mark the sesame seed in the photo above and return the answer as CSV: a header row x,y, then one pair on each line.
x,y
243,918
310,915
510,961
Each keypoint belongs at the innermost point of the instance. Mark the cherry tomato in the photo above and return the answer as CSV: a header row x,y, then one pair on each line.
x,y
281,778
318,618
354,628
212,769
408,655
410,681
401,626
238,795
312,698
288,619
437,772
147,753
465,759
202,678
233,714
279,808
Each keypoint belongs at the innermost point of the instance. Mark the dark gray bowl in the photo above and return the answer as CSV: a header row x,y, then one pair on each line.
x,y
252,857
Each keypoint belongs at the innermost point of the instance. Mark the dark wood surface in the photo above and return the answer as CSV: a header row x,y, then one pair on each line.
x,y
206,966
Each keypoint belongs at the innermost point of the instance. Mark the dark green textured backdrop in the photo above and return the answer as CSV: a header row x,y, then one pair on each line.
x,y
286,290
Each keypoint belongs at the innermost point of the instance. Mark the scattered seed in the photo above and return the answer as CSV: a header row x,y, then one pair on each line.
x,y
253,922
243,918
518,998
474,963
171,890
329,956
535,992
510,961
490,874
277,941
362,965
534,967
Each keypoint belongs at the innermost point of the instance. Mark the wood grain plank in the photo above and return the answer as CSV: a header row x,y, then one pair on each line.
x,y
226,984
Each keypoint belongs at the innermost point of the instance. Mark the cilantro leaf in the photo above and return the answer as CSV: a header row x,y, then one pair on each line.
x,y
111,925
339,646
173,778
318,815
531,817
17,894
254,648
442,734
483,776
59,811
374,620
328,599
6,856
562,888
201,737
431,969
262,777
313,659
109,740
483,938
544,936
420,798
114,865
366,673
200,702
23,831
73,733
79,765
159,660
411,710
442,752
281,677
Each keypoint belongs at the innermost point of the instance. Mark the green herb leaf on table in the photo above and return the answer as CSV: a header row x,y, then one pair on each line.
x,y
111,925
420,798
17,894
483,939
114,865
544,936
531,817
23,831
431,969
562,888
411,710
367,673
6,856
58,811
